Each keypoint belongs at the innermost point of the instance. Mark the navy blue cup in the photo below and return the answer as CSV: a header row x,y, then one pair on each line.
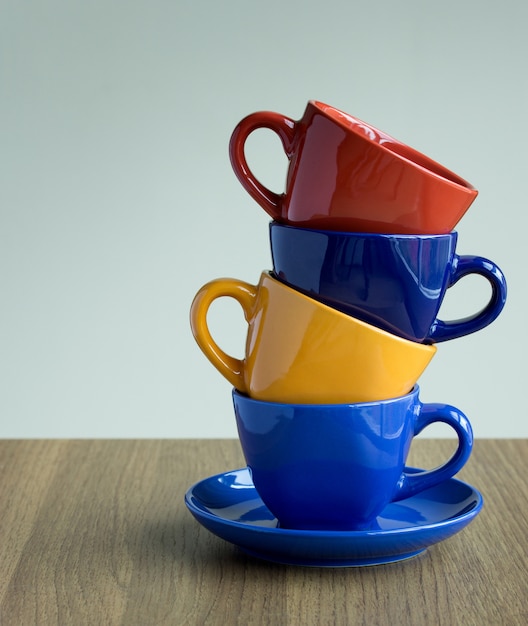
x,y
392,281
336,466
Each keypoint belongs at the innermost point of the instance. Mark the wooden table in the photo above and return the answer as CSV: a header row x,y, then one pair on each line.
x,y
96,532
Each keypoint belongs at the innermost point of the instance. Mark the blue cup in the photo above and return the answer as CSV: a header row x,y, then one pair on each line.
x,y
336,466
392,281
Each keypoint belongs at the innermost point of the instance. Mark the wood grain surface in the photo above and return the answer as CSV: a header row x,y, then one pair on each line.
x,y
96,532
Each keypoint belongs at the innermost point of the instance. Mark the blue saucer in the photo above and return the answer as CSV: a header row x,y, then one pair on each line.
x,y
229,506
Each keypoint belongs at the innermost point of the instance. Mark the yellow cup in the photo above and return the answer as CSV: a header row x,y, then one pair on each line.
x,y
299,350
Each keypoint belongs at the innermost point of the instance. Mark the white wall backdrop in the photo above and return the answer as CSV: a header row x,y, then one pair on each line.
x,y
117,199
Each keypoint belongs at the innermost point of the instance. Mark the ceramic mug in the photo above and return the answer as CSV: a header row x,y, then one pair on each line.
x,y
301,350
396,282
335,467
346,175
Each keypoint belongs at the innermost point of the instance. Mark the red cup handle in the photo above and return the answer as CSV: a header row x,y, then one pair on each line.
x,y
282,126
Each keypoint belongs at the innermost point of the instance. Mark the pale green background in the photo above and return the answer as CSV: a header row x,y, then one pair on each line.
x,y
117,199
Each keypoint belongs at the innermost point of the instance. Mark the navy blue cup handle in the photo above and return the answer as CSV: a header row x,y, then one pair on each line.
x,y
412,483
462,266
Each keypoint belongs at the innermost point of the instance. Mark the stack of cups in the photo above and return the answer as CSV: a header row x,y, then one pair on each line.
x,y
339,332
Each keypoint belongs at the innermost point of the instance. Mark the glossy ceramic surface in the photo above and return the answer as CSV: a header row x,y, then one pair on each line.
x,y
396,282
229,506
301,350
335,467
347,175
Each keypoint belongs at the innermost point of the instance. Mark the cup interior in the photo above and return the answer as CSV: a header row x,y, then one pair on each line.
x,y
424,162
387,142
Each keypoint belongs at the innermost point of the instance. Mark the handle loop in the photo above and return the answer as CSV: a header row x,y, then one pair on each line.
x,y
412,483
464,265
245,294
282,126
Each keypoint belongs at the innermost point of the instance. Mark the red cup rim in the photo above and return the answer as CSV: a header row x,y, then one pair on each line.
x,y
389,144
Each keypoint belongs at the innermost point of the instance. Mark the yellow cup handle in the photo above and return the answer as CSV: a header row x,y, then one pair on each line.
x,y
245,294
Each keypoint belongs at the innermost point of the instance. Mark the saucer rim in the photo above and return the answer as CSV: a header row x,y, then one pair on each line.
x,y
336,533
330,549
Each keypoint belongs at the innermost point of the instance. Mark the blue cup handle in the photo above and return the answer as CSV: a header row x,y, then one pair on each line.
x,y
412,483
462,266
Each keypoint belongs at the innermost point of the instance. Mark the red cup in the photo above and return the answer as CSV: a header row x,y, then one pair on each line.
x,y
346,175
